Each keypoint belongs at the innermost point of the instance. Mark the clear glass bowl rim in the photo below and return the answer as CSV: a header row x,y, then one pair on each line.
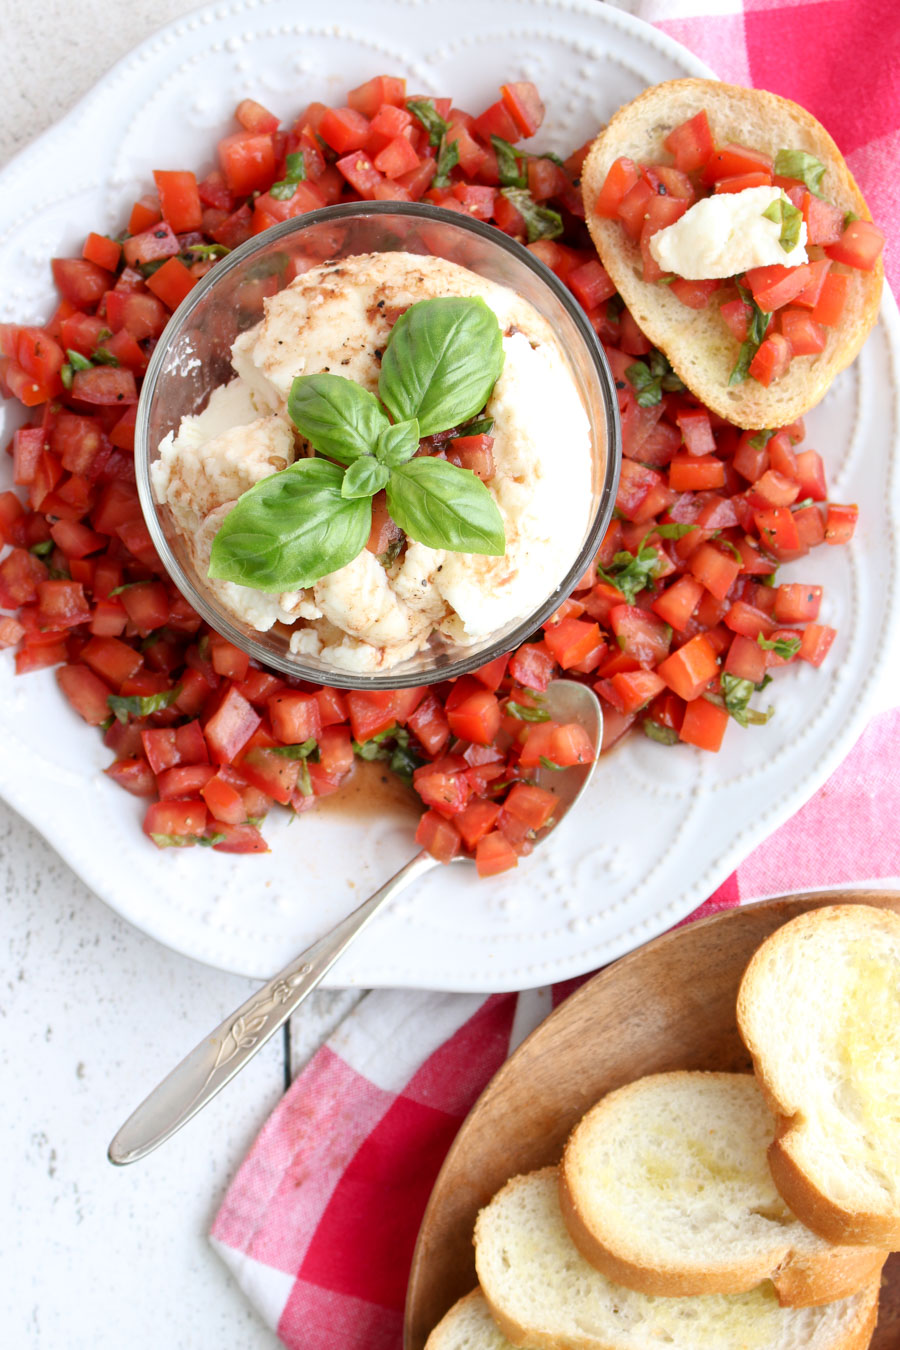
x,y
289,664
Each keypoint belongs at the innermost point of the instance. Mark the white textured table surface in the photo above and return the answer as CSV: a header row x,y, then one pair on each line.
x,y
92,1012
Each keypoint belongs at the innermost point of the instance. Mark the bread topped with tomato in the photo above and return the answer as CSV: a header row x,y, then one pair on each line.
x,y
779,286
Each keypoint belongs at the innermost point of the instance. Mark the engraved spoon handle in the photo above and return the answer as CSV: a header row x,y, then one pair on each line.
x,y
222,1054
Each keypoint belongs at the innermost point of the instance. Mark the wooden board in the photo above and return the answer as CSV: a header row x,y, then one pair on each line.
x,y
669,1005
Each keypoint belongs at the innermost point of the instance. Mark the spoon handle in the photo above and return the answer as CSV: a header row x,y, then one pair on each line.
x,y
223,1053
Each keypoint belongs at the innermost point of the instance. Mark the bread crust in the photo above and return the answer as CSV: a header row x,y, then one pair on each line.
x,y
805,1196
801,1278
697,343
855,1333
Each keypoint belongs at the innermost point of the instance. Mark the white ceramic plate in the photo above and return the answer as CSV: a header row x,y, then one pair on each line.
x,y
662,826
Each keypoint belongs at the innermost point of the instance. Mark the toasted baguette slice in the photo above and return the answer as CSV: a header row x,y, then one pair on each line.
x,y
819,1011
468,1326
665,1188
544,1295
697,342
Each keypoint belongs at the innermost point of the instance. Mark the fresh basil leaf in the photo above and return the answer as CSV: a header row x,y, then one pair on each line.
x,y
77,361
733,550
802,166
126,586
443,506
656,732
392,552
441,362
525,713
790,217
404,762
652,378
631,572
304,780
294,173
141,705
673,530
175,840
364,478
849,218
737,694
66,375
290,529
424,111
102,357
43,548
761,439
551,764
756,331
786,648
283,191
540,221
207,250
398,443
483,427
305,750
210,840
447,159
340,419
508,168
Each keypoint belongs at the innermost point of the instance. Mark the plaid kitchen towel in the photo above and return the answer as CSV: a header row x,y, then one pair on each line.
x,y
319,1224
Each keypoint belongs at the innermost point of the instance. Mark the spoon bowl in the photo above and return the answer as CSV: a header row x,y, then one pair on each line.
x,y
221,1055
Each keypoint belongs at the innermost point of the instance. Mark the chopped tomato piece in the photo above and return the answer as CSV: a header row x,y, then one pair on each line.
x,y
703,724
777,285
691,143
179,199
689,670
816,643
493,854
477,718
85,692
620,179
840,523
248,162
771,360
230,727
860,245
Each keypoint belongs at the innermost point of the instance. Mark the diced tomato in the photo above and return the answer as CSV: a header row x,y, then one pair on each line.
x,y
105,386
134,775
477,820
746,659
739,182
703,724
832,298
632,209
816,643
147,606
570,745
116,661
694,294
369,97
824,222
140,312
691,143
239,839
621,177
777,529
696,429
689,670
179,199
248,161
438,836
85,692
224,801
631,690
640,634
80,281
776,285
429,725
172,282
185,780
104,252
477,718
695,473
571,641
446,792
715,569
840,523
677,602
370,713
771,360
230,727
295,717
804,335
748,621
809,296
175,820
497,120
860,246
773,489
530,804
532,666
731,159
493,854
344,129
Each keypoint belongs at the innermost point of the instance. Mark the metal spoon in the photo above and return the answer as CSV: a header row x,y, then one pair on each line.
x,y
222,1054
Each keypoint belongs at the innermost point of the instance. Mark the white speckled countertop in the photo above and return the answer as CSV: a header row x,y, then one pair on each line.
x,y
94,1013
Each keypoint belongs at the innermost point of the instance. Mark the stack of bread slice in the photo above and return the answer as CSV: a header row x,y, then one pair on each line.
x,y
721,1211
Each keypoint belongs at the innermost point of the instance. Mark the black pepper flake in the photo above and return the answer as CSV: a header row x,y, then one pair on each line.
x,y
379,352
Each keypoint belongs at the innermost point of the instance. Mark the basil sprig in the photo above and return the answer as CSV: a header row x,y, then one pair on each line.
x,y
802,166
756,331
447,159
649,381
438,369
424,111
294,173
509,166
540,221
784,213
141,705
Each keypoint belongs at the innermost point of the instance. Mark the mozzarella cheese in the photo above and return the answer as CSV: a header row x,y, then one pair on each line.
x,y
364,617
725,234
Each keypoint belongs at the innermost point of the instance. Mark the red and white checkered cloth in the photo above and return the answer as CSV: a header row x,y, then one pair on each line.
x,y
319,1224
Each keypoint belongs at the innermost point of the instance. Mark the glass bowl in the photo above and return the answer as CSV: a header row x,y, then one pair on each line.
x,y
194,357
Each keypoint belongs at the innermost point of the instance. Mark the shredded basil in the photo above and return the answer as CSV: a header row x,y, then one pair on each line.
x,y
761,439
550,764
305,750
802,166
43,548
77,361
736,694
141,705
294,173
786,648
540,221
524,713
447,159
483,427
649,379
784,212
756,331
424,110
656,732
508,164
392,748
